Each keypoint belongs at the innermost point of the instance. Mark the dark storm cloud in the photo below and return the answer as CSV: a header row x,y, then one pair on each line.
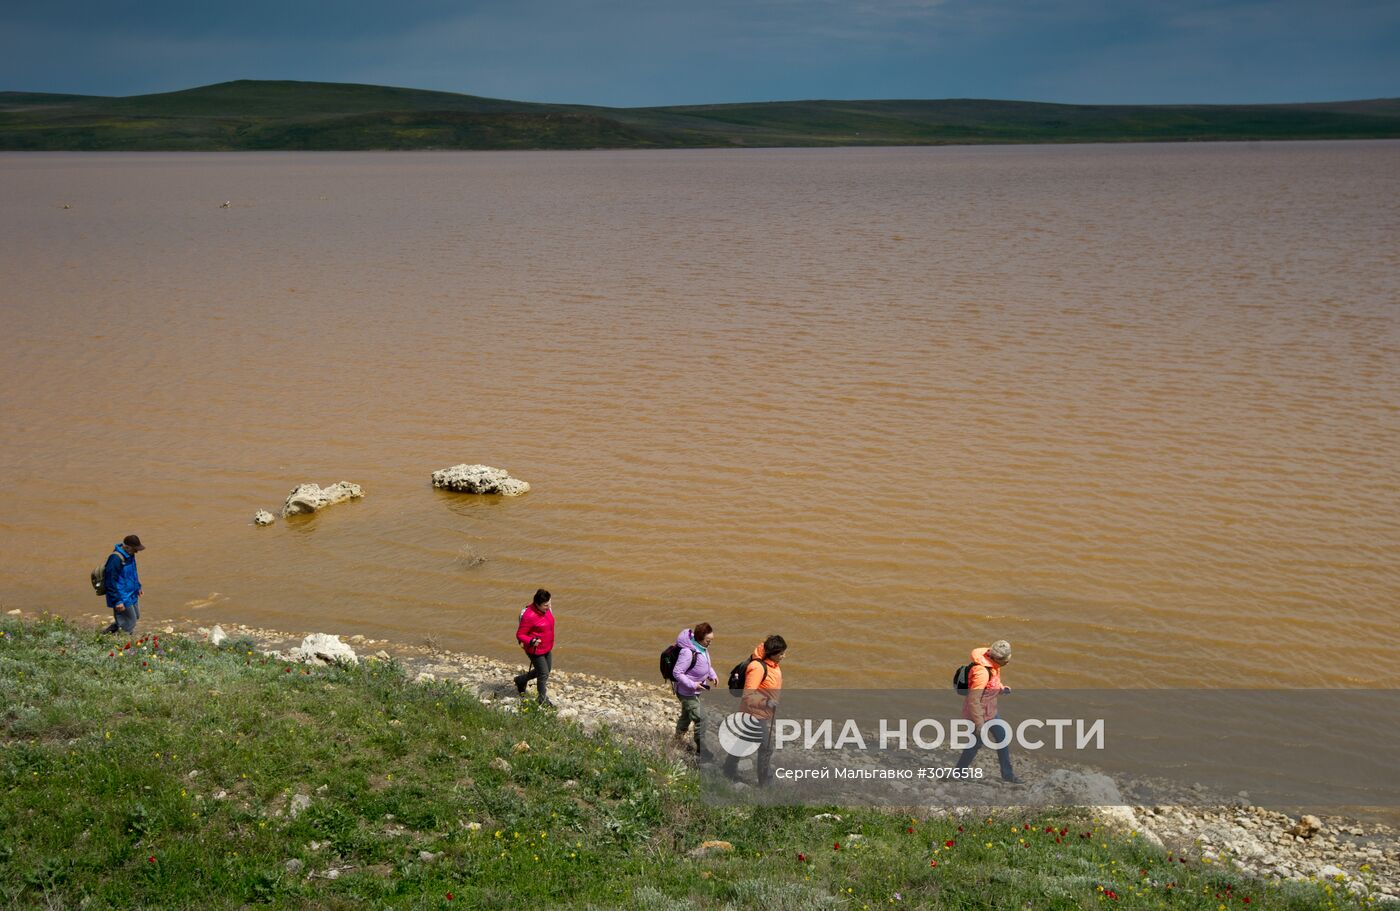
x,y
629,52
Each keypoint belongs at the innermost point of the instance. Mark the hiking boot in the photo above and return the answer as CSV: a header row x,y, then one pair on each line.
x,y
520,684
1012,779
546,704
704,754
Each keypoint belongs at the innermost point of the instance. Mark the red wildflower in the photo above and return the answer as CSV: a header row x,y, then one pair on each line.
x,y
801,858
151,859
1058,839
1049,830
1064,831
1111,894
959,828
836,846
949,843
1026,827
1247,900
287,671
933,863
111,654
910,830
449,896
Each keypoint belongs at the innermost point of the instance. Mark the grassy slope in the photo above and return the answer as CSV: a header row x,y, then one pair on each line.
x,y
251,114
113,760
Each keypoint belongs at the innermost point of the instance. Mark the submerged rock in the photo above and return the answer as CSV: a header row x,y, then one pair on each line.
x,y
311,497
263,517
479,479
323,648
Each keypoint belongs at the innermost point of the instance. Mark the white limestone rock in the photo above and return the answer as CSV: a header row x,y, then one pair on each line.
x,y
306,498
217,636
1063,787
479,479
299,804
323,648
263,517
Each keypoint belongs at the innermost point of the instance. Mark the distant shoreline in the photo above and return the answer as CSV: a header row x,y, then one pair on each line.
x,y
255,115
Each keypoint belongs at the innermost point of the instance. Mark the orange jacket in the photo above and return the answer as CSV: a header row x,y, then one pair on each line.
x,y
983,687
762,680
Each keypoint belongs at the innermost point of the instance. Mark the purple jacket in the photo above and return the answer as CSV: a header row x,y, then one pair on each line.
x,y
692,667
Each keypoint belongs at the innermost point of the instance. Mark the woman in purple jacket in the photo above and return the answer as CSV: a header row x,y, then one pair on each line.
x,y
692,674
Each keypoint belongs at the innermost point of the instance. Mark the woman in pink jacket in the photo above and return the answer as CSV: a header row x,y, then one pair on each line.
x,y
536,636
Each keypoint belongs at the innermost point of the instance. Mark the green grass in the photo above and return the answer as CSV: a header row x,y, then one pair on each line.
x,y
161,776
252,114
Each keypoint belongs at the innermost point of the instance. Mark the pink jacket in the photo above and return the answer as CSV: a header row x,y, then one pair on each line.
x,y
536,624
983,687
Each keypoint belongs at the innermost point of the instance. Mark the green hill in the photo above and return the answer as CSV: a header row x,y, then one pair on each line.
x,y
250,114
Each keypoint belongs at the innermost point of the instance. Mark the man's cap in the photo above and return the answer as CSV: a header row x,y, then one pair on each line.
x,y
1000,651
133,543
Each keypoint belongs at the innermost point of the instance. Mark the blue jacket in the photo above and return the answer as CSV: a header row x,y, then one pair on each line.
x,y
119,577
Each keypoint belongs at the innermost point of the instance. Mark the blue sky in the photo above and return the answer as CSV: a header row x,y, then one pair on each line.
x,y
654,52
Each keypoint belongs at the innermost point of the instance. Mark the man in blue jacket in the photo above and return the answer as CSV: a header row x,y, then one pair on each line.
x,y
122,584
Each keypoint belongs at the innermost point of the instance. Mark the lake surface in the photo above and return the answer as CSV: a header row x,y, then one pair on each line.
x,y
1134,408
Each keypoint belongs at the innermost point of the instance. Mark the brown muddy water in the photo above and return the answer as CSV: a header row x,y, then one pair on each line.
x,y
1134,408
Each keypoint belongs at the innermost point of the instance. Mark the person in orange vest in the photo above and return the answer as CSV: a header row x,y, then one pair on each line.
x,y
984,687
763,678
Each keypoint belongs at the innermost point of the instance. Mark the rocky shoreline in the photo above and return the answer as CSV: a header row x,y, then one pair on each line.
x,y
1359,856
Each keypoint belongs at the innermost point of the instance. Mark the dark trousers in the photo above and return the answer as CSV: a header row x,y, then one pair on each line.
x,y
540,666
1003,754
125,621
763,761
692,713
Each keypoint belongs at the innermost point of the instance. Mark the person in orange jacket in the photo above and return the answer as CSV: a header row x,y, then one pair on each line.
x,y
984,687
763,678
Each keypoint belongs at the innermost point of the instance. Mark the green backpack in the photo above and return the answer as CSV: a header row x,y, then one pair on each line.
x,y
99,575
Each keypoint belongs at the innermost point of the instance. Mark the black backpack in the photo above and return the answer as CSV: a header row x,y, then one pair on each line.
x,y
669,657
962,675
741,670
99,575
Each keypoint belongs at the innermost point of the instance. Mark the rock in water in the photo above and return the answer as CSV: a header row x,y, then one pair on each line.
x,y
324,648
479,479
263,517
310,497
